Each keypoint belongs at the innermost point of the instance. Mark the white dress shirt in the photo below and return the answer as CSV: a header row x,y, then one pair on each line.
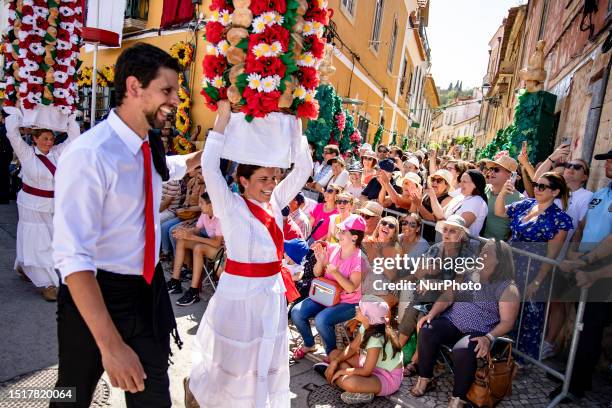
x,y
246,239
100,197
34,173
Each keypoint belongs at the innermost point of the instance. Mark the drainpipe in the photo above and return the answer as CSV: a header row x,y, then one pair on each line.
x,y
594,115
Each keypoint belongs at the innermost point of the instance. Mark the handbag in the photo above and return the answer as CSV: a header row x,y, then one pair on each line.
x,y
493,382
325,292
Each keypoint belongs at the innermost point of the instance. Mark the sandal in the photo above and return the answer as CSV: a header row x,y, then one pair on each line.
x,y
422,386
411,369
300,352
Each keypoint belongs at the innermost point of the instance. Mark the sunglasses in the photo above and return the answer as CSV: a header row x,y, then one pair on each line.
x,y
367,217
573,166
387,224
493,169
331,191
541,186
437,180
411,224
368,158
383,151
327,152
340,202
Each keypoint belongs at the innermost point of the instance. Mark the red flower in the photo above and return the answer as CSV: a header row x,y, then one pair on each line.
x,y
317,46
214,65
269,100
308,110
210,102
308,77
317,14
270,34
27,11
27,104
214,32
220,5
261,6
265,66
63,54
259,104
42,23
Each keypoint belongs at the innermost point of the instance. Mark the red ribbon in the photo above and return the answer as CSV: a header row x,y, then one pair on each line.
x,y
37,192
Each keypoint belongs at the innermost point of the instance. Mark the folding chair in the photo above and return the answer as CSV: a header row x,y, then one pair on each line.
x,y
211,266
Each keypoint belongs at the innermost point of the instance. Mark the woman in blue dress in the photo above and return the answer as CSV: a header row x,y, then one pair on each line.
x,y
537,226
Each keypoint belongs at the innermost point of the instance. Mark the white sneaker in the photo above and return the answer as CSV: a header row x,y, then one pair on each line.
x,y
548,350
356,397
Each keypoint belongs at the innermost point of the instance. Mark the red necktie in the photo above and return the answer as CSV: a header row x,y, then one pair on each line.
x,y
149,250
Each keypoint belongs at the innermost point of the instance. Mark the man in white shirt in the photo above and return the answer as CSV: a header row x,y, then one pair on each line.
x,y
114,313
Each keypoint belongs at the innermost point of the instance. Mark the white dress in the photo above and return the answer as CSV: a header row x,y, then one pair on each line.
x,y
35,225
241,352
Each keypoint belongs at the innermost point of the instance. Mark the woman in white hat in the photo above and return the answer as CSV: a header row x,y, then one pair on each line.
x,y
439,185
368,160
410,195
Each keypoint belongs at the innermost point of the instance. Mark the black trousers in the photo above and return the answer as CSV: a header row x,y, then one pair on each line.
x,y
442,332
5,177
143,316
597,316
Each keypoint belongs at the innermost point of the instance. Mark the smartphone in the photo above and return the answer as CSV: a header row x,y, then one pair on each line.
x,y
513,177
566,141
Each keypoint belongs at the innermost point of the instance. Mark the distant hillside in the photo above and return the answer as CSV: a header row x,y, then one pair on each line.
x,y
452,92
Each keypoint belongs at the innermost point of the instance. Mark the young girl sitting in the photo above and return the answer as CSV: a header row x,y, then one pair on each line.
x,y
204,241
372,363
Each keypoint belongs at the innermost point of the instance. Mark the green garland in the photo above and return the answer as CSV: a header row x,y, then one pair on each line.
x,y
393,138
532,123
405,144
377,137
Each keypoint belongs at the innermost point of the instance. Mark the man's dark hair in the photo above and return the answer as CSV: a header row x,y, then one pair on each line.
x,y
142,61
204,196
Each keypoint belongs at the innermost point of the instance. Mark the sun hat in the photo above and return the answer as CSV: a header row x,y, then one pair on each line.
x,y
371,208
453,221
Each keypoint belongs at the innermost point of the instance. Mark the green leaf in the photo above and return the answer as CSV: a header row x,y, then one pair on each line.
x,y
243,44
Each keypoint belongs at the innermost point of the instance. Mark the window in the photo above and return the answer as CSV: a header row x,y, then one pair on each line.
x,y
362,126
403,76
349,6
392,48
375,40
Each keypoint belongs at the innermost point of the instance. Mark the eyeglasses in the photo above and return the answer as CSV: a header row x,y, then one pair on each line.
x,y
367,217
573,166
368,158
437,180
411,224
387,224
541,186
493,169
341,202
331,190
328,152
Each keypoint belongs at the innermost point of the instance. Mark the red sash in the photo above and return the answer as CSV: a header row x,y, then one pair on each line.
x,y
47,163
37,191
260,270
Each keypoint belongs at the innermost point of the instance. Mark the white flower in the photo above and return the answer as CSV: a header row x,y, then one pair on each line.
x,y
60,93
225,18
63,45
310,95
211,49
29,20
22,35
35,80
214,16
261,50
70,100
37,49
60,76
299,92
276,48
66,110
74,39
12,15
63,61
308,28
254,81
222,47
217,82
22,53
35,97
66,11
259,25
30,65
269,83
41,11
28,3
71,70
23,87
306,60
24,74
39,32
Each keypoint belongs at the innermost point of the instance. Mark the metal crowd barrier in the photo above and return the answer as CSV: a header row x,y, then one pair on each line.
x,y
563,376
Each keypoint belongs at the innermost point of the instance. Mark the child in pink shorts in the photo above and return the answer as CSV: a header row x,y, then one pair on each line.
x,y
372,364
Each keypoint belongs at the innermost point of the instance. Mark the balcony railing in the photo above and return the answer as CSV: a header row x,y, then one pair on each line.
x,y
136,15
423,35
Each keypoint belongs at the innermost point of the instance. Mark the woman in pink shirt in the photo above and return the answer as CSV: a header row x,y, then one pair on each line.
x,y
323,211
341,263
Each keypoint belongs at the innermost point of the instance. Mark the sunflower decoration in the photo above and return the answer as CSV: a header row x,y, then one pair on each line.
x,y
183,121
84,77
183,52
106,76
182,145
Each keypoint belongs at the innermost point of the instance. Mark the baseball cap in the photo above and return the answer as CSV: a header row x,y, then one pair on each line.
x,y
604,156
353,222
374,309
296,249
